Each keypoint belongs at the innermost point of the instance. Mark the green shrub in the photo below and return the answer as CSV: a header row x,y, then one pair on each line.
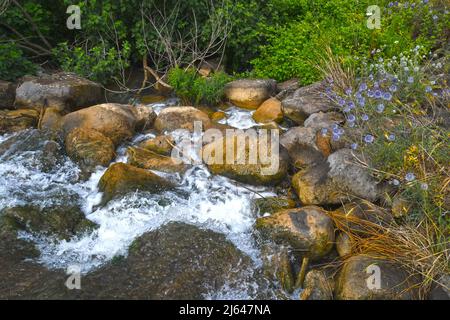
x,y
13,63
294,49
195,89
98,63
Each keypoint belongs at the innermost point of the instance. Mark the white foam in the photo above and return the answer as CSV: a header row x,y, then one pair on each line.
x,y
239,118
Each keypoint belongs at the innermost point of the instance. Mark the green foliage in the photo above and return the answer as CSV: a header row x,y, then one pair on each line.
x,y
98,63
13,63
294,49
195,89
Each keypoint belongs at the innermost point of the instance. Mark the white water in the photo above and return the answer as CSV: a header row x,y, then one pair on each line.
x,y
211,202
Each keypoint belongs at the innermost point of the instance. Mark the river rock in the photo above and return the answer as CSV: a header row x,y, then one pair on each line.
x,y
354,280
89,148
121,178
7,94
177,261
269,111
335,181
441,289
317,286
161,144
249,94
59,222
150,160
51,120
64,91
248,166
305,102
309,230
116,121
343,245
301,144
173,118
272,205
323,120
18,120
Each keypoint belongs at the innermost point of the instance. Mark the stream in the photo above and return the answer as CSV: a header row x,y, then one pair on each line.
x,y
209,202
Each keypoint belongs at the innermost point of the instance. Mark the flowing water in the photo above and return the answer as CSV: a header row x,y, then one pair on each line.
x,y
211,202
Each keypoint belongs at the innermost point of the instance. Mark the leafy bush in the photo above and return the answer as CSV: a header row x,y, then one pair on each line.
x,y
294,49
98,63
13,63
195,89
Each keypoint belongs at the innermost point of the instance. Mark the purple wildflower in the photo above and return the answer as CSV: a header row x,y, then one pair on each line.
x,y
410,79
378,94
410,177
380,108
393,88
369,138
387,96
365,117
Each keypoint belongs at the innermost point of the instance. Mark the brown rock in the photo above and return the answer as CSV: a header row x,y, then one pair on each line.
x,y
173,118
18,120
269,111
309,230
145,159
249,94
7,94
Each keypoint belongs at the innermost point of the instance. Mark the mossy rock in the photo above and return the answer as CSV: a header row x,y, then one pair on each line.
x,y
121,178
59,222
247,165
272,205
162,145
89,148
18,120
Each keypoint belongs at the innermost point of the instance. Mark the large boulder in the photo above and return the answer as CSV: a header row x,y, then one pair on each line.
x,y
358,280
116,121
89,148
249,94
121,178
150,160
173,118
18,120
7,94
177,261
65,91
317,286
269,111
309,230
305,102
247,159
60,222
335,181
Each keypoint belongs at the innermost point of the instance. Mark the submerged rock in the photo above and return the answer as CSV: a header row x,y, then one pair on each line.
x,y
64,91
59,222
89,148
336,181
116,121
309,230
152,161
121,178
305,102
246,159
269,111
173,118
177,261
249,94
357,280
18,120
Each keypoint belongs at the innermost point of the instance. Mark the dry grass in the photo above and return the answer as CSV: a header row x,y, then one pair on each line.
x,y
333,67
422,250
